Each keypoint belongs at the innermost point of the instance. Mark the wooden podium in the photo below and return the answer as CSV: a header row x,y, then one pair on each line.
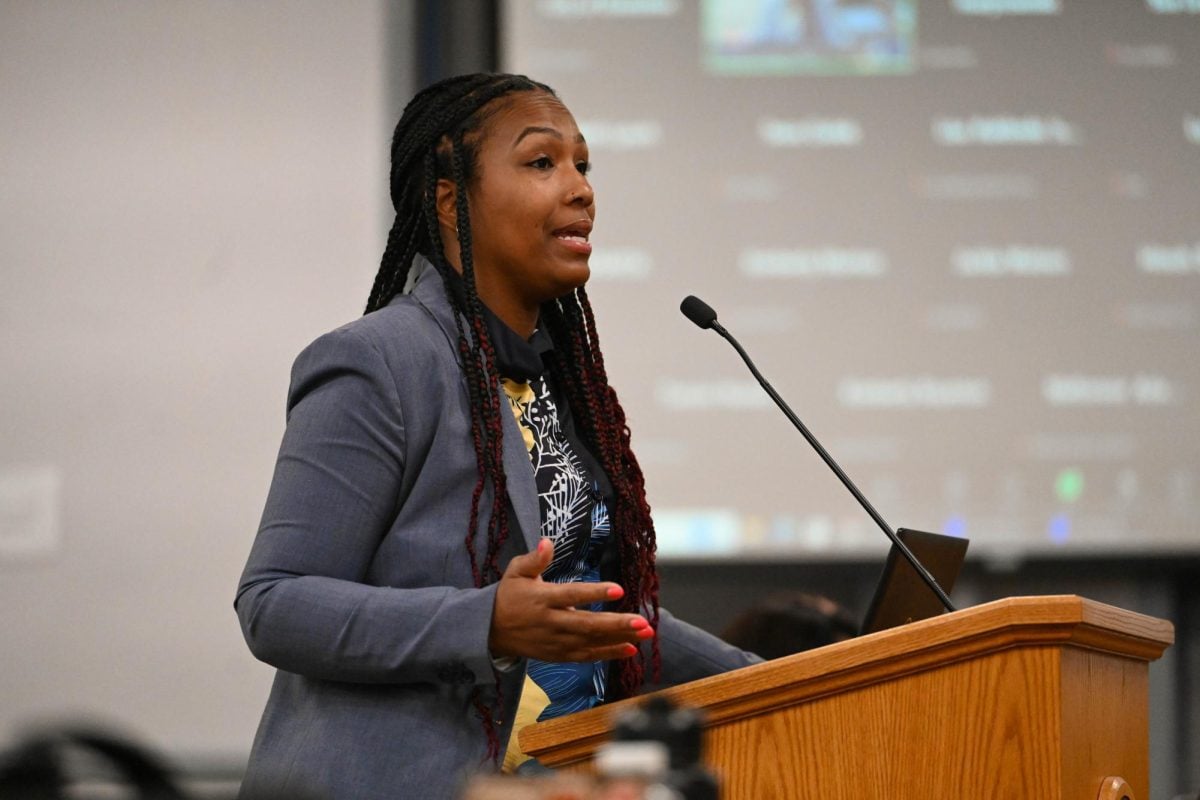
x,y
1028,697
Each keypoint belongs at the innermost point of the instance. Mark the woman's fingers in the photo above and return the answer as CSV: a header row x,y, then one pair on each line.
x,y
579,638
569,595
531,565
611,653
592,651
542,620
597,628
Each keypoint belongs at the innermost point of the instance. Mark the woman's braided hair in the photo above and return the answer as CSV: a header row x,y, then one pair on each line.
x,y
438,137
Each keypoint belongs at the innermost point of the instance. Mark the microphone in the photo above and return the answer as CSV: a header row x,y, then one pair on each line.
x,y
699,312
704,317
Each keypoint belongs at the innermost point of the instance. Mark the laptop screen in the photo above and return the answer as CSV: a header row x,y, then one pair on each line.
x,y
901,596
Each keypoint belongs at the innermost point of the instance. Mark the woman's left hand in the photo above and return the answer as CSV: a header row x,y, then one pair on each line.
x,y
533,618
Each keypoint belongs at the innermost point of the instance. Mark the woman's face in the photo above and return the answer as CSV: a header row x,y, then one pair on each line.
x,y
531,207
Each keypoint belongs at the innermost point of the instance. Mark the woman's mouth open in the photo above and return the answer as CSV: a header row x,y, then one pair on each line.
x,y
575,236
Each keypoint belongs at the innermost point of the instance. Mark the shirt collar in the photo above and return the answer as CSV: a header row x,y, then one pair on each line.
x,y
517,358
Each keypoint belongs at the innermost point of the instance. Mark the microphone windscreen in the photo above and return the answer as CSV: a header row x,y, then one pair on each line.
x,y
698,311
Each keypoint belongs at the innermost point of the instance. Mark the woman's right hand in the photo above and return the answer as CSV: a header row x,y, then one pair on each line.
x,y
536,619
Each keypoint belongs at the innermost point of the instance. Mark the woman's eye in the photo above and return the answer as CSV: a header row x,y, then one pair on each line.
x,y
584,167
542,163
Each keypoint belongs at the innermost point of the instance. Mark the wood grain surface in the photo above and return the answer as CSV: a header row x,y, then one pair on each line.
x,y
1025,697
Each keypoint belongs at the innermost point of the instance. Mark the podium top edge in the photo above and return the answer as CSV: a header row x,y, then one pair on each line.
x,y
1013,622
1069,608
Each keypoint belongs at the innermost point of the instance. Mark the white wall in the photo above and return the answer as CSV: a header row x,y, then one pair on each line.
x,y
189,193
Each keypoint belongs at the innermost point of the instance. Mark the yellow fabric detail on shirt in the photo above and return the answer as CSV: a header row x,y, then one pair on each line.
x,y
533,703
520,395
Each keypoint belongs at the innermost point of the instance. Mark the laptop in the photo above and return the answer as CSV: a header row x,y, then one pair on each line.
x,y
901,596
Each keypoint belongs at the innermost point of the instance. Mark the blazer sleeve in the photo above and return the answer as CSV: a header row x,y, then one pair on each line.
x,y
689,653
303,602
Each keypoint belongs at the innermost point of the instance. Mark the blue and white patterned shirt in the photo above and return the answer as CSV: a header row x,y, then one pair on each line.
x,y
573,497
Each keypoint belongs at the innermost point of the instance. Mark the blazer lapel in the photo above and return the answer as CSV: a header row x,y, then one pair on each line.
x,y
518,472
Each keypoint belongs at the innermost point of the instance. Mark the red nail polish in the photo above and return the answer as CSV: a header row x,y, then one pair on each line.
x,y
630,650
645,633
615,593
637,623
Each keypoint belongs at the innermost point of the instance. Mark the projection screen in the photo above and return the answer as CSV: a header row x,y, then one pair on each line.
x,y
961,238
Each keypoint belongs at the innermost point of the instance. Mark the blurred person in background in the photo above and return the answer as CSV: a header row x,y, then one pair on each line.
x,y
790,622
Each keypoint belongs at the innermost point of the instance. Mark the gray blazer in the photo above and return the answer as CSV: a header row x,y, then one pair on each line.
x,y
358,588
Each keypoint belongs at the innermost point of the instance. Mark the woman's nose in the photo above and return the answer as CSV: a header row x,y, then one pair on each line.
x,y
582,193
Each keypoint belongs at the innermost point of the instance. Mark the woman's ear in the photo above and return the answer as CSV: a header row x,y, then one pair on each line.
x,y
447,211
